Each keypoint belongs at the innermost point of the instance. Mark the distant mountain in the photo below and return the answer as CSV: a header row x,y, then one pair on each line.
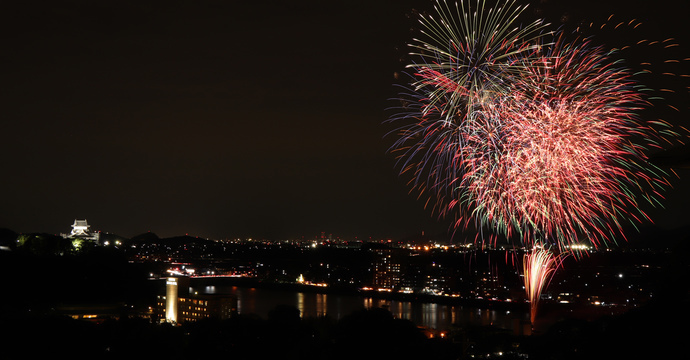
x,y
112,237
151,238
145,237
185,239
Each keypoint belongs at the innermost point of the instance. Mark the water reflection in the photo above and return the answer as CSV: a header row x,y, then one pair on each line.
x,y
438,316
300,303
321,305
430,315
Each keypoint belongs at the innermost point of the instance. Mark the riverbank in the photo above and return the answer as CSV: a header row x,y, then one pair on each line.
x,y
549,312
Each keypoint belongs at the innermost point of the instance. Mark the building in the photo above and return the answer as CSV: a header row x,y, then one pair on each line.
x,y
179,306
80,230
386,268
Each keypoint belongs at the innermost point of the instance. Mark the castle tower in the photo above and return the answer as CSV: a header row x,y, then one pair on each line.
x,y
80,228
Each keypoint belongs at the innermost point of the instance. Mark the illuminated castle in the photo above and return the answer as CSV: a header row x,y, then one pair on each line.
x,y
80,229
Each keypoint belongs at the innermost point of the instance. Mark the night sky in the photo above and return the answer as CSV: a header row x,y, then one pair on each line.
x,y
227,119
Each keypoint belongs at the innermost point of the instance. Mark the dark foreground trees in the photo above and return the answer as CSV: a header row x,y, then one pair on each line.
x,y
647,333
366,334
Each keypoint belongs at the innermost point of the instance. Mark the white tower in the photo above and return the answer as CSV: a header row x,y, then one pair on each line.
x,y
171,300
80,228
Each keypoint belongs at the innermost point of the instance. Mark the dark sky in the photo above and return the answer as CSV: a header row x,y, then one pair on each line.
x,y
220,118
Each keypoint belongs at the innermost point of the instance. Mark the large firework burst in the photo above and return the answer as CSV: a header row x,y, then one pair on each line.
x,y
465,62
522,132
567,158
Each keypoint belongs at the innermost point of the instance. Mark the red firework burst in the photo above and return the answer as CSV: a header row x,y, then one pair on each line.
x,y
559,156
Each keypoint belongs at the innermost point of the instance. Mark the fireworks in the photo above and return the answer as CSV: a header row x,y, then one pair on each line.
x,y
465,61
538,267
563,162
530,134
523,132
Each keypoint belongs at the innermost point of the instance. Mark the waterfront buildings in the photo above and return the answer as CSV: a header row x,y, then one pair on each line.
x,y
178,305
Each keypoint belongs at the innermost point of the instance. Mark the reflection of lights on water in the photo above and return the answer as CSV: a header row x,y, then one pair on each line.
x,y
430,314
300,303
321,304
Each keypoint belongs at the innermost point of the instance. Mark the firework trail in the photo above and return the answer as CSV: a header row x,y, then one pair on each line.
x,y
538,268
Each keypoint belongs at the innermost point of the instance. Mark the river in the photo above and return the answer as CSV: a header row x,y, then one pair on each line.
x,y
259,301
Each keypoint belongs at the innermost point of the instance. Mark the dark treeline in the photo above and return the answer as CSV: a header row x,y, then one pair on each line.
x,y
284,334
36,284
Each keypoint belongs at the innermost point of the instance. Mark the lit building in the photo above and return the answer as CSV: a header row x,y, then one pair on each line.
x,y
80,229
489,284
178,306
386,270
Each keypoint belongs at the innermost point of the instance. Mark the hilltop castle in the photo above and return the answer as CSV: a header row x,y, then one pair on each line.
x,y
80,229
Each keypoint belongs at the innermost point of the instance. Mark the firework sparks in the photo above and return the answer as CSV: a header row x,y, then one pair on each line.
x,y
525,133
538,268
561,162
465,61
